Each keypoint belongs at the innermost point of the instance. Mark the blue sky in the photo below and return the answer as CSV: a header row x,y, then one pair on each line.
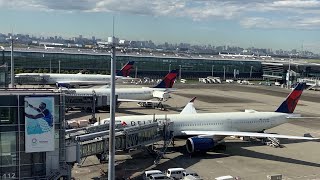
x,y
275,24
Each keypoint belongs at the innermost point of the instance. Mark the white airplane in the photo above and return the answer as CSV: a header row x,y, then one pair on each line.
x,y
209,129
46,47
70,80
237,55
145,94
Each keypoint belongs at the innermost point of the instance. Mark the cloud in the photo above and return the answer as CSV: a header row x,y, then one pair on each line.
x,y
249,13
287,23
296,4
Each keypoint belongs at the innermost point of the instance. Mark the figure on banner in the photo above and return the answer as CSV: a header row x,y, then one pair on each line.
x,y
42,113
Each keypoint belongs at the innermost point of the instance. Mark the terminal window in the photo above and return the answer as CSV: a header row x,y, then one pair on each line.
x,y
7,115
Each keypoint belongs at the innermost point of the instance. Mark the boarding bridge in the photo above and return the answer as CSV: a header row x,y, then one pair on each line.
x,y
312,83
84,142
91,101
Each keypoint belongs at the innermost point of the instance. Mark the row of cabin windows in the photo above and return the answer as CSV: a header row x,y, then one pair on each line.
x,y
206,124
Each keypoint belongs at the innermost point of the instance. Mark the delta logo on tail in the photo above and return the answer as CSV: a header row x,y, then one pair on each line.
x,y
168,80
125,71
123,123
291,101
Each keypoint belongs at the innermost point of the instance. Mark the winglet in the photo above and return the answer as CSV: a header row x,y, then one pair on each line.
x,y
291,101
189,108
192,100
168,80
125,71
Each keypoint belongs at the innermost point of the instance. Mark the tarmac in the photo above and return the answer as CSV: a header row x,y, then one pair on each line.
x,y
298,160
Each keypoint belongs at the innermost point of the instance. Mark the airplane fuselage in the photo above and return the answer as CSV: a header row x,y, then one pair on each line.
x,y
123,93
231,121
51,78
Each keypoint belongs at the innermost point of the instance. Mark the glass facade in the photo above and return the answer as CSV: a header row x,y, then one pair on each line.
x,y
15,163
4,76
147,65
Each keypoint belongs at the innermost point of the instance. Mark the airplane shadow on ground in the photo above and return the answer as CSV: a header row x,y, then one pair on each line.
x,y
145,161
238,150
130,111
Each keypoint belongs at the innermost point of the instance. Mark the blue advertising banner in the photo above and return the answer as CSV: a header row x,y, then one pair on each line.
x,y
39,124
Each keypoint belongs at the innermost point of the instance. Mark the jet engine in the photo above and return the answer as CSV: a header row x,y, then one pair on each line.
x,y
198,144
62,84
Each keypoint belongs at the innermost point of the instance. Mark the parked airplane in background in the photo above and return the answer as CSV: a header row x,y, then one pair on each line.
x,y
71,80
209,129
237,55
144,94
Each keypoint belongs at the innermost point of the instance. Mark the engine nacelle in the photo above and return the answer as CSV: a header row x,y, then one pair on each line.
x,y
198,144
65,85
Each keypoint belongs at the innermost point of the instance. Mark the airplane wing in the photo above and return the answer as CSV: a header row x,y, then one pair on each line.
x,y
249,134
127,80
138,101
81,82
303,117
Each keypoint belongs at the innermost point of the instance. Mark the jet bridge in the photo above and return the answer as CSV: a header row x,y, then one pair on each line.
x,y
84,142
87,101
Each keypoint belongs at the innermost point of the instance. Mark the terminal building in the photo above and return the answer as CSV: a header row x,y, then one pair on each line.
x,y
278,71
155,65
148,65
42,148
24,159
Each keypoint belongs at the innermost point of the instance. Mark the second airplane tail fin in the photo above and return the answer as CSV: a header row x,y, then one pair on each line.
x,y
125,71
168,80
291,101
189,108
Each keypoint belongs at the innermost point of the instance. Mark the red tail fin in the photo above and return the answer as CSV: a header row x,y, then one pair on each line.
x,y
125,71
291,101
168,81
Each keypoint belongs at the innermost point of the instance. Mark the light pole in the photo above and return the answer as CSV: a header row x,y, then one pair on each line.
x,y
180,72
111,169
224,72
212,70
59,66
288,76
251,72
12,61
136,73
112,139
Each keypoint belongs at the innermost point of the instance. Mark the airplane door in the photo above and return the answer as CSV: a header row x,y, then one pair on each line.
x,y
272,122
229,125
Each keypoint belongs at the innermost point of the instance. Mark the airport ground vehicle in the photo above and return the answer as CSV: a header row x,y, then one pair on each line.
x,y
190,177
159,177
228,177
147,174
175,172
188,172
